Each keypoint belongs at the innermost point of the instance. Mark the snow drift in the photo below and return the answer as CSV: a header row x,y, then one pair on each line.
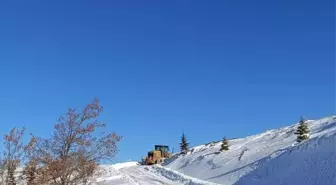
x,y
131,173
273,157
177,177
310,163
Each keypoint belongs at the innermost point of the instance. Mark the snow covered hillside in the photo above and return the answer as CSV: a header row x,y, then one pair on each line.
x,y
311,163
273,157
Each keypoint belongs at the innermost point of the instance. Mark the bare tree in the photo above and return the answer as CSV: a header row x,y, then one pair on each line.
x,y
31,169
71,156
12,156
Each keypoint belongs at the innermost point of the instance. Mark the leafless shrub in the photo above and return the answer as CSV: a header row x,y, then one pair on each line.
x,y
72,155
12,156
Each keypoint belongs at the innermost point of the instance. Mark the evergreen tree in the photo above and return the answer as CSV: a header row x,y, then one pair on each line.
x,y
225,145
184,145
302,131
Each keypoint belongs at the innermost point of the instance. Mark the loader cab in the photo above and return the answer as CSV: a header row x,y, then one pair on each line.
x,y
164,150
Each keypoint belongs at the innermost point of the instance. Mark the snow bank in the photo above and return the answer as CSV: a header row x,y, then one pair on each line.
x,y
178,177
260,156
118,166
111,173
311,163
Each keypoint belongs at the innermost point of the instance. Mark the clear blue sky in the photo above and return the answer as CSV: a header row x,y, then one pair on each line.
x,y
213,68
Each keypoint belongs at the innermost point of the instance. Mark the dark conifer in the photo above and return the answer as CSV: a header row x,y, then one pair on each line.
x,y
302,131
184,145
225,145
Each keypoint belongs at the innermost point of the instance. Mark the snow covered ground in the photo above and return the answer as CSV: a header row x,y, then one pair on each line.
x,y
316,166
269,158
272,157
133,174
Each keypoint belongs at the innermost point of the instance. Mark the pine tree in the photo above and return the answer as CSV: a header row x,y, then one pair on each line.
x,y
302,131
225,145
184,144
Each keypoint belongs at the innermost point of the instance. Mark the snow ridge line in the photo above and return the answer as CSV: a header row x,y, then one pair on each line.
x,y
177,176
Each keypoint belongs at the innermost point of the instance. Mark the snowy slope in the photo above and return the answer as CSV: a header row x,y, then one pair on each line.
x,y
313,162
272,157
131,173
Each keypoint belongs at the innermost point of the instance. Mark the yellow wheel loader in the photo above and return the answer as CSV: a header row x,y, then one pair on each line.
x,y
158,155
